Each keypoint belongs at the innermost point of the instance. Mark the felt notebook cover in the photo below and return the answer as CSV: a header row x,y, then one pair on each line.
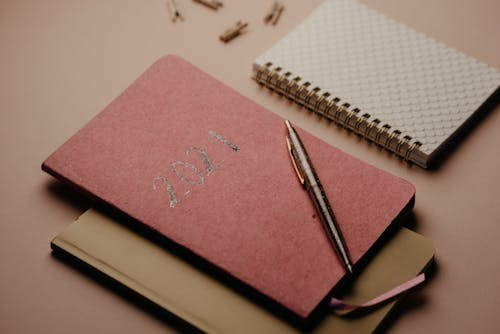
x,y
181,289
207,168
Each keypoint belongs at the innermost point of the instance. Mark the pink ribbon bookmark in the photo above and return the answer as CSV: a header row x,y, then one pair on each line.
x,y
343,308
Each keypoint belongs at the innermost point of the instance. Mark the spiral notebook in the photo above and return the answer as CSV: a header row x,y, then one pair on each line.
x,y
388,83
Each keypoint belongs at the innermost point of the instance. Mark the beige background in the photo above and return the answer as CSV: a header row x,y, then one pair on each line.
x,y
61,62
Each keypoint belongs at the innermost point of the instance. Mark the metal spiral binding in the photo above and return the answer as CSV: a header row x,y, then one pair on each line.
x,y
333,108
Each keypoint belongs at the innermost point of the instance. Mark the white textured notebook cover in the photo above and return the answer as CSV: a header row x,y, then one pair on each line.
x,y
404,78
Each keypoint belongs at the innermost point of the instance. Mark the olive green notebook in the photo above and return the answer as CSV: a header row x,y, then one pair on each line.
x,y
179,288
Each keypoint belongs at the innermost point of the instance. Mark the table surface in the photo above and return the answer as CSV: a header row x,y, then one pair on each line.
x,y
61,62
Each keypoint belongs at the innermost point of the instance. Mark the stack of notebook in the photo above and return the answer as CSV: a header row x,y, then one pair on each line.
x,y
213,225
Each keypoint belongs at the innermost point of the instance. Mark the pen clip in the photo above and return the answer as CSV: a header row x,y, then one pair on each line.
x,y
294,162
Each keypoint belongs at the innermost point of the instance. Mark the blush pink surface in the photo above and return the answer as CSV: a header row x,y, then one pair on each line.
x,y
250,216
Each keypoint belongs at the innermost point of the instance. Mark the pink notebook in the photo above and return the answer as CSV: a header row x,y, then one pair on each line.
x,y
209,169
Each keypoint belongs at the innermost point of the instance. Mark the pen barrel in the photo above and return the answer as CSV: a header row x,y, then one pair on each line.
x,y
329,222
310,181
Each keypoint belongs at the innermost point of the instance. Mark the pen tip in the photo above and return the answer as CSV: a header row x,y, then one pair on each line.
x,y
287,123
349,268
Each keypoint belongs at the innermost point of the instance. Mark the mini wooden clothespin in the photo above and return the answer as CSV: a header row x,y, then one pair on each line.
x,y
233,32
214,4
274,13
174,11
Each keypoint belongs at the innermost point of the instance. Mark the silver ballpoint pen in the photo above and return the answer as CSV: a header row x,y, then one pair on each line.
x,y
310,181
